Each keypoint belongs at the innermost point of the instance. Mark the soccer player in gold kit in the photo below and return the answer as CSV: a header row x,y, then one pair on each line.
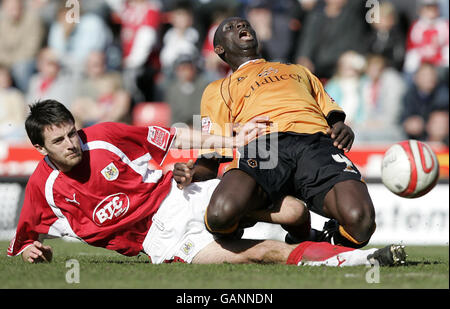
x,y
302,154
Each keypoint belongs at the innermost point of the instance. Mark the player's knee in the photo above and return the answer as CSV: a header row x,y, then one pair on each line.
x,y
361,222
220,214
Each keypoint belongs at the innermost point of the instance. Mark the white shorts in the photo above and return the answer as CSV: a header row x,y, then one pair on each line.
x,y
178,230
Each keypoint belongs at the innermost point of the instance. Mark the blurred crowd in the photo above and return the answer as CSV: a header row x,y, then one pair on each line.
x,y
385,62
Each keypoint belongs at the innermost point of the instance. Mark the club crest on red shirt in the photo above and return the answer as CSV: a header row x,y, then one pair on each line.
x,y
110,172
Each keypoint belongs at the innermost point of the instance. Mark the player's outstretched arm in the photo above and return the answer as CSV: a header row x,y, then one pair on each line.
x,y
188,139
37,253
343,135
204,168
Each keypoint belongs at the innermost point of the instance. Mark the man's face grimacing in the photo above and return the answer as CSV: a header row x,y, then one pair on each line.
x,y
236,36
62,146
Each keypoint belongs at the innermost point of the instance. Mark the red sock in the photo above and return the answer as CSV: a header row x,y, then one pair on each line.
x,y
315,251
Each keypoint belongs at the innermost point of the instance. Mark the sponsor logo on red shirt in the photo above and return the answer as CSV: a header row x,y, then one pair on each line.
x,y
111,209
159,137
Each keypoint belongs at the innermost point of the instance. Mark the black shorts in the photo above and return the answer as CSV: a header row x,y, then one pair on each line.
x,y
306,166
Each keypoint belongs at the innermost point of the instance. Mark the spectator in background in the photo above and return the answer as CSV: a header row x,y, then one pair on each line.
x,y
406,12
140,23
21,36
444,5
300,14
74,41
275,26
425,107
46,9
386,37
100,96
383,91
345,86
428,39
206,11
184,92
329,31
308,5
12,109
181,38
50,82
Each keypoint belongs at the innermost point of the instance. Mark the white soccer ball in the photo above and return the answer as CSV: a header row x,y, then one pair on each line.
x,y
410,169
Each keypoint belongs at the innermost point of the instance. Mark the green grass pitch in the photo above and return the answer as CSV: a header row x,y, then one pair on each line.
x,y
427,268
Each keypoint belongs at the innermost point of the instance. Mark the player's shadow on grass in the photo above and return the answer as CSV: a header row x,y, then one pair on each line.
x,y
120,262
416,263
114,261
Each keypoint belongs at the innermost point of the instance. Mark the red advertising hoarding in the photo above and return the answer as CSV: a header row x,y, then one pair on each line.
x,y
21,159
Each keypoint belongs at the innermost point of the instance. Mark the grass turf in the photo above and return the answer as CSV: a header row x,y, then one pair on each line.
x,y
427,268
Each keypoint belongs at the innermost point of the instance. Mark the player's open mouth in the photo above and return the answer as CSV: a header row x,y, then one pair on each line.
x,y
245,35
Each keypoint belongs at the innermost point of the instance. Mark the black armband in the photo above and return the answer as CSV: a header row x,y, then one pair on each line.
x,y
335,116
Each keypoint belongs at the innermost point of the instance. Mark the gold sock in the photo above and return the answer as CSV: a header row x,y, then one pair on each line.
x,y
348,236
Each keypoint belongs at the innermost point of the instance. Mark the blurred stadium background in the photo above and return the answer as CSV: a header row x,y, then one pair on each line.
x,y
141,61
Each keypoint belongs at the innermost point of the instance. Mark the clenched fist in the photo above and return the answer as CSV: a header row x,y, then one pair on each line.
x,y
183,173
37,253
343,135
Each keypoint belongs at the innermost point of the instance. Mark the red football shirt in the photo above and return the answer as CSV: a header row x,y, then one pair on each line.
x,y
429,39
107,200
132,19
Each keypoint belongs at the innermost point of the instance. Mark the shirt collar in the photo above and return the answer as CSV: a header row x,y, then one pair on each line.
x,y
248,62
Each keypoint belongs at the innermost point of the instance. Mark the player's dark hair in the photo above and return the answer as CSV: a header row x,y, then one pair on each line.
x,y
45,113
184,5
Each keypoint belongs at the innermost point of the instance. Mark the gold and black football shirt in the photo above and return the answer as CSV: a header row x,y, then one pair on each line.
x,y
293,98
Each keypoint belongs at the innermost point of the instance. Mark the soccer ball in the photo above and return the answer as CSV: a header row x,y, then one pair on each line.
x,y
410,169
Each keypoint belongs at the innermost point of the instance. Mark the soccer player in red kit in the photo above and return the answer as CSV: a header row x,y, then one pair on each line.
x,y
95,185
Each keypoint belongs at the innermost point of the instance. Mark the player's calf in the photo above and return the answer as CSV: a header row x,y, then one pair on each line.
x,y
323,253
293,216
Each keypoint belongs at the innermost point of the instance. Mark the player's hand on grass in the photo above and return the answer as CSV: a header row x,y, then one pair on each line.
x,y
251,130
37,253
343,136
183,173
